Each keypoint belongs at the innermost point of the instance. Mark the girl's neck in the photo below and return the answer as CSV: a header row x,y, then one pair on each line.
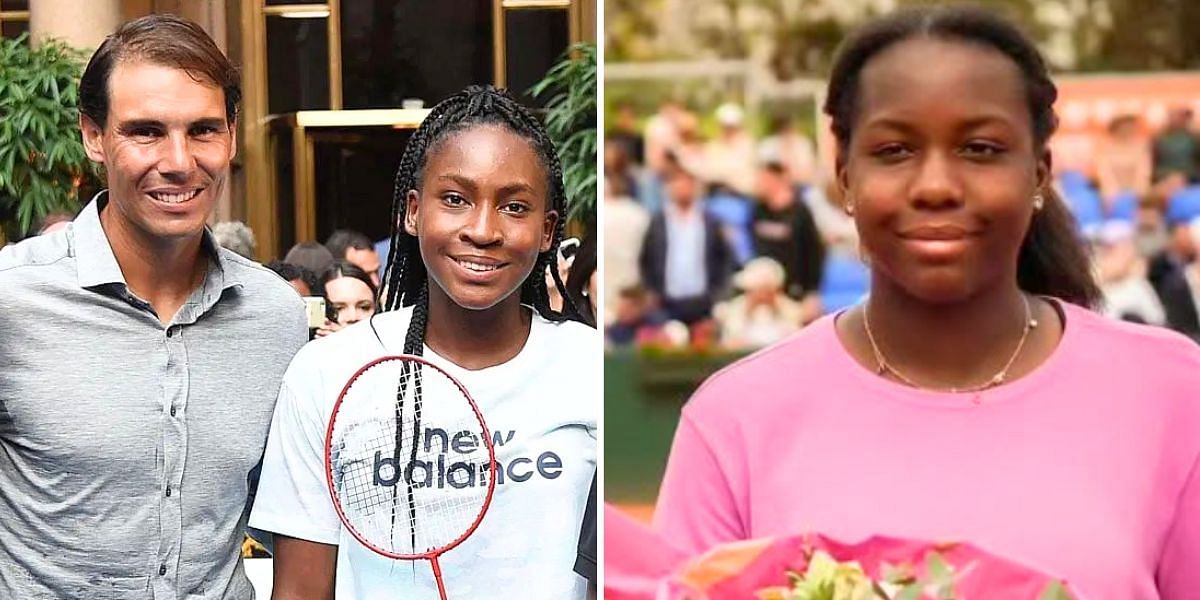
x,y
476,339
957,345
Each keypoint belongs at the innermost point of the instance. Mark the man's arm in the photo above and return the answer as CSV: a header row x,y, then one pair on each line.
x,y
304,570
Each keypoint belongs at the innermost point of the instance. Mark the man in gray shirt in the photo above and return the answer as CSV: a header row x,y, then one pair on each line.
x,y
139,362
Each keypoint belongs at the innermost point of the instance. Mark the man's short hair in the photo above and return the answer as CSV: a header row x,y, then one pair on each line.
x,y
344,239
165,40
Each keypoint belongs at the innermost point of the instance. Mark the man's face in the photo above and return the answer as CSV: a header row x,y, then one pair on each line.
x,y
367,260
166,148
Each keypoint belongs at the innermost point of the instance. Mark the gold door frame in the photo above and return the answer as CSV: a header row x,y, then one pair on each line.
x,y
258,144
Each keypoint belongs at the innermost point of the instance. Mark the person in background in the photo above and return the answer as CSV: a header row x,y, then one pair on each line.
x,y
55,221
295,276
1168,269
728,159
580,283
634,320
314,258
625,224
1177,148
350,296
1124,164
789,147
685,260
1128,294
763,314
356,248
235,236
784,230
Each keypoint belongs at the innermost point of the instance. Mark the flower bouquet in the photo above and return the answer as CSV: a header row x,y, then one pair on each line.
x,y
641,565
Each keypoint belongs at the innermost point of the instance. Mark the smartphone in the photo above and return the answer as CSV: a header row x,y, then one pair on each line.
x,y
315,306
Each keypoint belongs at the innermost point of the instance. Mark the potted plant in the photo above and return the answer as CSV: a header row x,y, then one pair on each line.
x,y
42,162
571,122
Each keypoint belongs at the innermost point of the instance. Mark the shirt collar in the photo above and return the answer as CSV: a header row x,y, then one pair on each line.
x,y
96,265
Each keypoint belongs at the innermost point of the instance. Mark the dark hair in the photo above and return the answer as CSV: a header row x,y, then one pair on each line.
x,y
580,275
343,268
314,258
344,239
160,39
288,271
406,279
1053,259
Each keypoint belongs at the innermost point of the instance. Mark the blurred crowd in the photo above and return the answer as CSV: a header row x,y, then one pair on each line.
x,y
737,240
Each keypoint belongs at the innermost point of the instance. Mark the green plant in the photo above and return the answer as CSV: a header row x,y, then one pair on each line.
x,y
571,123
42,161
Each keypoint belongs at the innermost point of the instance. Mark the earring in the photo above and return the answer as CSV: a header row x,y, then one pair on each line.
x,y
1038,202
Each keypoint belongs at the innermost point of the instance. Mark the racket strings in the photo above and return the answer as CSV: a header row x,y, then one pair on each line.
x,y
443,461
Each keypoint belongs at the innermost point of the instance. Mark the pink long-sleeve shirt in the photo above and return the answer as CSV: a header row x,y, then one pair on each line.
x,y
1086,468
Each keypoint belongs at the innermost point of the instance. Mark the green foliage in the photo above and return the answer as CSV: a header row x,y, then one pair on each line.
x,y
42,161
571,122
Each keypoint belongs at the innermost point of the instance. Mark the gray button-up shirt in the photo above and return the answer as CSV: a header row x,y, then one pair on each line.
x,y
126,446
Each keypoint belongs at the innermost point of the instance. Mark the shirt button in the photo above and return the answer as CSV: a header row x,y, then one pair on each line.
x,y
172,414
170,332
168,495
162,569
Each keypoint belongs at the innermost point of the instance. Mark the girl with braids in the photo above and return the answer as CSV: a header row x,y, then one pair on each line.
x,y
974,396
479,207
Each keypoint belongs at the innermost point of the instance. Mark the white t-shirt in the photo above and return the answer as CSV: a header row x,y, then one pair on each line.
x,y
541,408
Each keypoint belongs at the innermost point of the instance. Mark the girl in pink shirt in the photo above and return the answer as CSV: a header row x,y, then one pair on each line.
x,y
973,397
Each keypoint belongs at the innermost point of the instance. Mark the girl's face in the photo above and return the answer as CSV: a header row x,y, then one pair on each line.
x,y
942,168
481,215
351,299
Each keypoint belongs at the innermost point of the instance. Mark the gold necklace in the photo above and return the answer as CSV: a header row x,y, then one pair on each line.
x,y
883,366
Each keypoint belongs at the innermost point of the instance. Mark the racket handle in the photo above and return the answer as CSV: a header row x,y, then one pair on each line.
x,y
437,576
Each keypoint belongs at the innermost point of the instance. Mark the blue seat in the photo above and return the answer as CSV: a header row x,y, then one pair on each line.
x,y
1184,205
735,215
844,283
1083,200
1124,207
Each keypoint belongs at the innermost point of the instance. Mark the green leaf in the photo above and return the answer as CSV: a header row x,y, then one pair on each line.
x,y
1055,591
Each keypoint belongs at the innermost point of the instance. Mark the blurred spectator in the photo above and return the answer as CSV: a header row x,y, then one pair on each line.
x,y
625,224
54,222
357,249
662,134
625,133
633,320
314,258
1128,295
789,147
619,168
1177,148
1124,163
763,314
684,260
349,296
581,279
729,158
836,227
294,275
1168,271
785,231
235,236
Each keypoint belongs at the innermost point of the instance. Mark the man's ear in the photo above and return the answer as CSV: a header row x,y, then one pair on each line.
x,y
93,138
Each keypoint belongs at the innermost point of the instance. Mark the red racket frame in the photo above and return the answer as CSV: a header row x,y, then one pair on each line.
x,y
432,555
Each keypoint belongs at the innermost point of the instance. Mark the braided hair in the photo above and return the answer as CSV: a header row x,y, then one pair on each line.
x,y
406,280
